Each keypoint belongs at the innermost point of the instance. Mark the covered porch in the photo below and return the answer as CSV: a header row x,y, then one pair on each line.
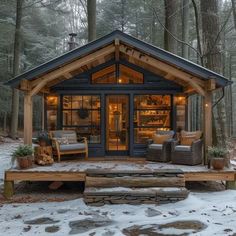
x,y
147,86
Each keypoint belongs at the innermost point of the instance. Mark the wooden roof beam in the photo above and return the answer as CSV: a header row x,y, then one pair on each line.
x,y
193,81
117,50
43,81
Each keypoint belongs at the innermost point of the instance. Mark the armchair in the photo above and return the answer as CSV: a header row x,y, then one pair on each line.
x,y
160,152
65,142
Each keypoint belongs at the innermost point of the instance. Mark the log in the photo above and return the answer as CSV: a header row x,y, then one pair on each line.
x,y
105,172
134,182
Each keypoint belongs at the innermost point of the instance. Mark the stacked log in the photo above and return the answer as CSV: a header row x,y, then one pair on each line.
x,y
43,155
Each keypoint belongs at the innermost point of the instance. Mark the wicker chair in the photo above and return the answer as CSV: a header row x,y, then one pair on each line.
x,y
187,154
160,152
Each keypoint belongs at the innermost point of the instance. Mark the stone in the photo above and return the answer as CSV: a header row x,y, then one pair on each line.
x,y
150,212
52,229
41,221
82,226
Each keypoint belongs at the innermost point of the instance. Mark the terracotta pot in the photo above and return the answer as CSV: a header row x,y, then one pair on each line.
x,y
218,163
25,162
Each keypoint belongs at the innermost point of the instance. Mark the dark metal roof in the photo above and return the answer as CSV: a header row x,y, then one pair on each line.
x,y
156,52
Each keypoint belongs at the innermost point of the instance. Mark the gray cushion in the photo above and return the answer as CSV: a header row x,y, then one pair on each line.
x,y
155,146
183,148
72,147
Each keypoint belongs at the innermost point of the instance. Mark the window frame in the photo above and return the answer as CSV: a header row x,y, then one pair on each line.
x,y
91,109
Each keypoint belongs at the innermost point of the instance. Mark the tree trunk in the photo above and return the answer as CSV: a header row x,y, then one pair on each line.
x,y
16,70
170,44
212,60
185,27
234,12
91,11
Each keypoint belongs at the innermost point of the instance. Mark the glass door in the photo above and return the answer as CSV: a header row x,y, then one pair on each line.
x,y
117,124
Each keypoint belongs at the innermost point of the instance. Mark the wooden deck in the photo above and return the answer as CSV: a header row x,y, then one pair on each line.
x,y
76,171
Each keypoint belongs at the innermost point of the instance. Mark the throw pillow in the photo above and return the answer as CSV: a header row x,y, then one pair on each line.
x,y
62,141
160,138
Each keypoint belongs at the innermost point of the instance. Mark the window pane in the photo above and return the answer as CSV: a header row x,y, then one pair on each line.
x,y
96,102
129,76
152,101
83,114
105,76
180,103
67,102
151,112
66,118
152,118
76,102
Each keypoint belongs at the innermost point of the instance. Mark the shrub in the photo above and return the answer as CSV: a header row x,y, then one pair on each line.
x,y
22,151
217,152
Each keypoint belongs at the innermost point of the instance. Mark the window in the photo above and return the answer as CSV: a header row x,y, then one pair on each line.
x,y
123,75
151,112
83,114
51,113
180,104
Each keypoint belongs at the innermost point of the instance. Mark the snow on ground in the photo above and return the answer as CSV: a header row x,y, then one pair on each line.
x,y
217,210
6,150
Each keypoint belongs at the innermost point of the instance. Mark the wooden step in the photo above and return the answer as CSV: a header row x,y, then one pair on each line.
x,y
130,181
134,196
119,173
134,178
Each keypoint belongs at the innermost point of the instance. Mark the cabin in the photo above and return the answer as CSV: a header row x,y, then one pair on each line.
x,y
116,91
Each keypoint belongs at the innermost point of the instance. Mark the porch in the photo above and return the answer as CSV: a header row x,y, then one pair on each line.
x,y
78,170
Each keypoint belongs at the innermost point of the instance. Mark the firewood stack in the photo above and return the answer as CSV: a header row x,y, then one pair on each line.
x,y
43,155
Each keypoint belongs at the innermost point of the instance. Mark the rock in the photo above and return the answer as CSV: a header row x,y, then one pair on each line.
x,y
187,228
27,229
62,211
41,221
150,212
52,229
81,226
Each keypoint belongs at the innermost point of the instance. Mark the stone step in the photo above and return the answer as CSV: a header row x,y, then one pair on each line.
x,y
134,196
120,173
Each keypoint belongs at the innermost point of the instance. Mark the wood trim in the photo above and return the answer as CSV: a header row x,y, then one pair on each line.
x,y
28,119
44,176
209,176
117,49
196,83
38,84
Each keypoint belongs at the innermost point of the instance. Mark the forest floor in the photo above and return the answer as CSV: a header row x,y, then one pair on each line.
x,y
209,210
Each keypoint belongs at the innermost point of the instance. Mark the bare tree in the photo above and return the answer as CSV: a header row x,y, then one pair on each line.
x,y
91,14
234,12
170,44
213,60
185,27
16,70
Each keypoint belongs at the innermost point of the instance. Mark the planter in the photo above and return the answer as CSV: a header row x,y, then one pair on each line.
x,y
218,163
25,162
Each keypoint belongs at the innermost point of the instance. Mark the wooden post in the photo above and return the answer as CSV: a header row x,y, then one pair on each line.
x,y
207,122
8,189
28,119
231,185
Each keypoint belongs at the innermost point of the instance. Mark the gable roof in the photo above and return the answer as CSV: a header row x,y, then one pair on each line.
x,y
158,53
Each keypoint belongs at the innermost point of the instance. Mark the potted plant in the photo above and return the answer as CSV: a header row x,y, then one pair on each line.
x,y
24,156
217,157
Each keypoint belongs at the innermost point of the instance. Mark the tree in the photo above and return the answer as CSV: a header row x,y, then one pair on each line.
x,y
212,59
185,27
234,12
170,43
16,70
91,14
